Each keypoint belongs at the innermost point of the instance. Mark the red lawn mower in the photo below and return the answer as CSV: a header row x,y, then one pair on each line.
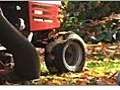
x,y
26,25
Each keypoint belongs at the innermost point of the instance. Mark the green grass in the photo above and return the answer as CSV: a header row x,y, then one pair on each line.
x,y
107,66
104,66
43,67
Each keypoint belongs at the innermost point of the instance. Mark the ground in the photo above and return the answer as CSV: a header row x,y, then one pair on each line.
x,y
99,69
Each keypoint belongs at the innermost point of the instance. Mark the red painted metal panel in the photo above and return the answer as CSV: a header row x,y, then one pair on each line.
x,y
43,16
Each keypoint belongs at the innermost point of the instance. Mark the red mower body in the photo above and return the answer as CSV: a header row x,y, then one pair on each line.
x,y
44,15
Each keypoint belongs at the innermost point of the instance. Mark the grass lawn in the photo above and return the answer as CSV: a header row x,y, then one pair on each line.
x,y
95,72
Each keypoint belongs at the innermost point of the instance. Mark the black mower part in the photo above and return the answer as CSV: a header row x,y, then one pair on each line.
x,y
25,56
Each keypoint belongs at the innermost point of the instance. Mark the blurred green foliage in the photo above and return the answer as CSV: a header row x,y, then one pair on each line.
x,y
83,17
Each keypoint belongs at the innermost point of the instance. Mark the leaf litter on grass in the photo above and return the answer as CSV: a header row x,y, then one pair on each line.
x,y
98,70
94,73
